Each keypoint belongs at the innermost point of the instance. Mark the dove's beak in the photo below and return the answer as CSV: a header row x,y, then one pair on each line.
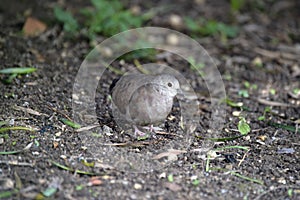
x,y
179,93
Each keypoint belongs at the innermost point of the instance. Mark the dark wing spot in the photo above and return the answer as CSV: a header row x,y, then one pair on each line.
x,y
113,84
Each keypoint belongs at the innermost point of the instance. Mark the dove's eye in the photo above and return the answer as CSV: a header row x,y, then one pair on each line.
x,y
170,84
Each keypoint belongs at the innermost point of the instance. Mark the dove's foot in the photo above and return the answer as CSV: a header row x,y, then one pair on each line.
x,y
139,133
152,128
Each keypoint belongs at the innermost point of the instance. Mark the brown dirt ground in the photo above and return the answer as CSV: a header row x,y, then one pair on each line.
x,y
271,34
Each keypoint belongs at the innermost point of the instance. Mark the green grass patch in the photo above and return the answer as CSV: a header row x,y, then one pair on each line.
x,y
105,17
204,27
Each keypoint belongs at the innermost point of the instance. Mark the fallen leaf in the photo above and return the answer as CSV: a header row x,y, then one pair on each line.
x,y
172,186
95,181
29,110
55,145
262,137
33,27
170,152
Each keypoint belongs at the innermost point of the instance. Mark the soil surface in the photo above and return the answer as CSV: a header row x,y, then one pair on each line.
x,y
260,68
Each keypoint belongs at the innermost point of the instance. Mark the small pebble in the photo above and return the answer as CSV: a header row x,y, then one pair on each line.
x,y
176,21
172,39
137,186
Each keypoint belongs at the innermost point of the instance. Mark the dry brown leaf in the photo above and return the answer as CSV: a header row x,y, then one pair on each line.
x,y
55,145
170,152
103,166
29,110
172,186
95,181
33,27
86,128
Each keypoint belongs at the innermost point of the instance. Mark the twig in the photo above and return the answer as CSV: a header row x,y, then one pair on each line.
x,y
273,103
60,112
243,158
166,133
29,110
17,163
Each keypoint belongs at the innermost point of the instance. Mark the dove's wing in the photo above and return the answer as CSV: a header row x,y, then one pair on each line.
x,y
148,105
125,87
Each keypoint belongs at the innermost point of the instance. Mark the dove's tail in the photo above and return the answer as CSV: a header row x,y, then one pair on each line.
x,y
113,84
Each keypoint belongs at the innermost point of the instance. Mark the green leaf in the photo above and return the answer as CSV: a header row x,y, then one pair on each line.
x,y
233,104
247,84
243,127
170,178
261,118
196,182
272,91
254,86
70,123
2,123
18,70
65,17
228,31
191,24
290,193
244,93
79,187
143,137
49,191
267,109
7,194
296,91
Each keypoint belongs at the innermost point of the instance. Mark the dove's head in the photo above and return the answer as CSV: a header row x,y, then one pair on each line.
x,y
169,84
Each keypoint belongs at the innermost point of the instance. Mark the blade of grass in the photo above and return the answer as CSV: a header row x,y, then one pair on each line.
x,y
233,147
70,169
283,126
115,70
70,123
13,128
18,70
140,67
221,139
17,151
10,79
247,178
238,175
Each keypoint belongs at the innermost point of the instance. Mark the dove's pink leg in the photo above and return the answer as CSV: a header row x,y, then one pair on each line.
x,y
137,132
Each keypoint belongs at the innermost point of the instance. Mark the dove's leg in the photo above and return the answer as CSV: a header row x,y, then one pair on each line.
x,y
137,132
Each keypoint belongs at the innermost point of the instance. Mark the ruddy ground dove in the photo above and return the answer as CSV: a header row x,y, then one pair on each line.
x,y
143,100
